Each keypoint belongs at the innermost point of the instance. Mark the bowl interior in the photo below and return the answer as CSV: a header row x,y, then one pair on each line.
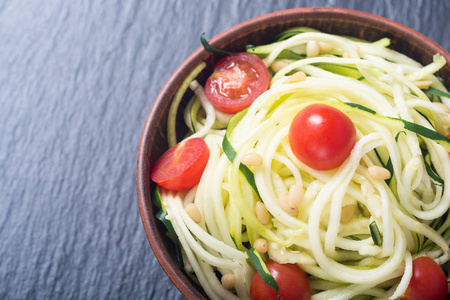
x,y
256,31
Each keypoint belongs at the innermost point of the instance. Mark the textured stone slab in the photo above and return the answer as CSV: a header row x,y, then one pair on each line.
x,y
77,80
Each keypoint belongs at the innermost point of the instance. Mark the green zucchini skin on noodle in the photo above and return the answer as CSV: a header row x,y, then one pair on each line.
x,y
261,268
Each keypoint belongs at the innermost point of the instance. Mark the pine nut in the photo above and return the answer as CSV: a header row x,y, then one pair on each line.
x,y
347,213
312,48
379,173
345,55
296,77
443,106
252,159
284,204
193,212
260,245
228,281
357,49
424,85
294,212
278,65
324,46
295,195
262,213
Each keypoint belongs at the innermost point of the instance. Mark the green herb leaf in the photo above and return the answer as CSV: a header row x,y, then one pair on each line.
x,y
423,131
398,135
433,91
210,48
375,233
361,107
431,172
390,168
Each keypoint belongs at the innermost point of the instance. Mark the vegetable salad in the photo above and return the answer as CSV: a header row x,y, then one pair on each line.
x,y
314,168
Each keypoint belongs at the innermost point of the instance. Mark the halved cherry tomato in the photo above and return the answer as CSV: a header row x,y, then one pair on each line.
x,y
428,281
238,79
182,166
292,283
322,137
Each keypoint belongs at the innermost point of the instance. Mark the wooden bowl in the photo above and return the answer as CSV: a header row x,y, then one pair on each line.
x,y
260,30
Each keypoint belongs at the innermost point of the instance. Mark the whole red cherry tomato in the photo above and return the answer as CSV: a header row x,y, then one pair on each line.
x,y
181,167
292,283
428,281
238,79
322,137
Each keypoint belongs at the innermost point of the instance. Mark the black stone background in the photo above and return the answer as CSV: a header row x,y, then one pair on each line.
x,y
77,80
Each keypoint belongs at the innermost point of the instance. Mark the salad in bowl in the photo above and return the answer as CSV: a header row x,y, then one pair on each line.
x,y
312,166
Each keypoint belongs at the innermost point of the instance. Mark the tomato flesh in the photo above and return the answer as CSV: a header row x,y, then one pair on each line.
x,y
291,280
181,167
428,281
322,137
238,79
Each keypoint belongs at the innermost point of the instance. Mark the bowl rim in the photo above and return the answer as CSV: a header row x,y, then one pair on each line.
x,y
142,165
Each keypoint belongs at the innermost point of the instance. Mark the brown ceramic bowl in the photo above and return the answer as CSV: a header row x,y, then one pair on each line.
x,y
256,31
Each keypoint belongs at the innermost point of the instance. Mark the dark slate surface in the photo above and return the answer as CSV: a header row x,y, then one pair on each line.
x,y
77,79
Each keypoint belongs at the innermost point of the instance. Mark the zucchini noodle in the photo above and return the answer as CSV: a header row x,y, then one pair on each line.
x,y
399,127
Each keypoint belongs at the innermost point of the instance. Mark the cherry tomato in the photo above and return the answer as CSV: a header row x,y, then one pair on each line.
x,y
292,283
322,137
238,79
428,281
182,166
